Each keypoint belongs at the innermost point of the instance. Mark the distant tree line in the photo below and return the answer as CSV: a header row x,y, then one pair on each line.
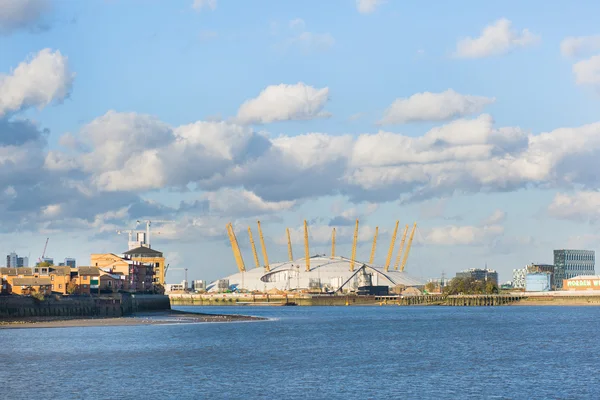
x,y
470,286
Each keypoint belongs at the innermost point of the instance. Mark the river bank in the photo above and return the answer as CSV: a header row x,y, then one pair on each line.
x,y
149,318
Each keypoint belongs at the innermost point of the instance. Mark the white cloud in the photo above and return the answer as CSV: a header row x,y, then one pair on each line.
x,y
452,235
241,203
198,5
579,46
36,82
297,23
497,217
310,41
496,39
429,106
582,206
19,14
368,6
283,103
587,72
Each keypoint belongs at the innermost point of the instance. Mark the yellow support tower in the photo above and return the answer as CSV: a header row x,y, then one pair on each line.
x,y
333,243
410,239
253,248
354,247
306,250
391,250
264,249
290,254
401,250
372,258
236,248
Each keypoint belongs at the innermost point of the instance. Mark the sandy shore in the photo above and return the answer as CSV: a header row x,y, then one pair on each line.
x,y
153,318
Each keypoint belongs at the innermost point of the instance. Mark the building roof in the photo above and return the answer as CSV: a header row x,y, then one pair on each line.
x,y
30,281
143,252
16,271
584,277
60,270
92,271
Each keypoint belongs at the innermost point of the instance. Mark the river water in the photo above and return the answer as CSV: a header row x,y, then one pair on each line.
x,y
316,353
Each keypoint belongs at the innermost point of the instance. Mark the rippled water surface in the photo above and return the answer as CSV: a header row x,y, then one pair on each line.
x,y
316,352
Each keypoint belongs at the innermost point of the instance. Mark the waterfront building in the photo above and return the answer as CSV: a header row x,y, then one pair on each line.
x,y
70,262
147,255
518,278
30,284
322,274
583,282
138,275
479,274
48,260
198,285
538,282
571,263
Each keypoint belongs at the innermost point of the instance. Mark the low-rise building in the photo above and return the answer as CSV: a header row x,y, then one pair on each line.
x,y
478,274
583,282
30,285
538,282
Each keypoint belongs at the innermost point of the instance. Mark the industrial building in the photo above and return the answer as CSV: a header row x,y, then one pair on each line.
x,y
571,263
538,282
584,282
319,273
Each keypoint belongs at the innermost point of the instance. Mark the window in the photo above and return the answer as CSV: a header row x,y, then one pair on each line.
x,y
59,285
52,278
85,277
52,286
85,286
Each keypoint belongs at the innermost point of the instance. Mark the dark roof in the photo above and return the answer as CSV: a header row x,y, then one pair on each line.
x,y
143,252
31,281
60,270
93,271
16,271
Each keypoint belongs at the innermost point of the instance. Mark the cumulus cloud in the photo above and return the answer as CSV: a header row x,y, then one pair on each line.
x,y
497,217
22,14
429,106
198,5
587,72
583,206
36,82
452,235
368,6
580,46
243,203
495,39
284,103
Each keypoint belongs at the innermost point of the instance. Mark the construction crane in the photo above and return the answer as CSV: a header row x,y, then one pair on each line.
x,y
401,250
372,258
354,247
254,253
391,250
237,254
44,252
410,239
333,243
306,249
264,248
290,254
148,223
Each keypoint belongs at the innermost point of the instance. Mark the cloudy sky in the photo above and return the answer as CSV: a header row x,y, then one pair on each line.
x,y
480,123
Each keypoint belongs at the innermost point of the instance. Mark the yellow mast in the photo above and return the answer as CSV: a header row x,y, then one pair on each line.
x,y
253,248
372,258
333,243
264,249
306,250
354,247
410,239
401,250
287,230
236,248
391,250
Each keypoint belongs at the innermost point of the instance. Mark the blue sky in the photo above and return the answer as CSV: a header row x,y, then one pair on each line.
x,y
156,109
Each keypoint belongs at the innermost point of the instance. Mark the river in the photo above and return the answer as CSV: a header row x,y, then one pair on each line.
x,y
316,353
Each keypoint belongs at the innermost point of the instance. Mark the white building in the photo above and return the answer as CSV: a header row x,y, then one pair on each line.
x,y
519,276
326,274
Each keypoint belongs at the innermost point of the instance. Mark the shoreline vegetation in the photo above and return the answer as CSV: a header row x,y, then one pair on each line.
x,y
148,318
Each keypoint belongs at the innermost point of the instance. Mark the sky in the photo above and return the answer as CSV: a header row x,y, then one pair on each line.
x,y
479,122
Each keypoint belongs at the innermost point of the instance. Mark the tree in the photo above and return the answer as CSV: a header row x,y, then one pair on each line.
x,y
430,287
71,288
44,264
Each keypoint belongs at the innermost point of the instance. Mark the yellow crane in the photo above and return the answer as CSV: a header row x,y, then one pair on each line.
x,y
253,248
237,254
391,250
410,239
354,247
401,250
333,243
264,249
372,258
290,254
306,250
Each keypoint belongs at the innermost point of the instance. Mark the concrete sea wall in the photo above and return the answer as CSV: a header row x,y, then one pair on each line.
x,y
115,305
